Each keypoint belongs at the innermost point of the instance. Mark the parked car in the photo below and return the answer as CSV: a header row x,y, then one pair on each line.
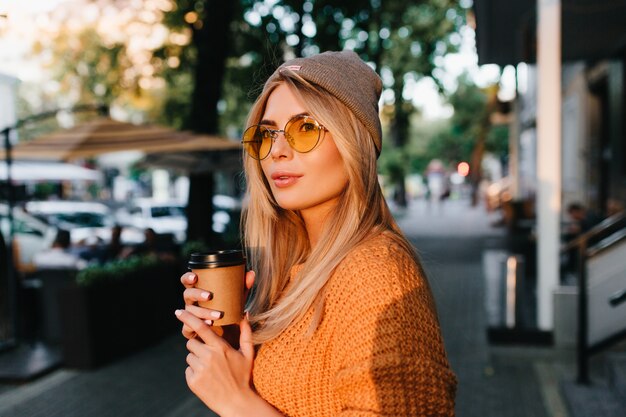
x,y
88,222
170,216
31,234
226,216
164,217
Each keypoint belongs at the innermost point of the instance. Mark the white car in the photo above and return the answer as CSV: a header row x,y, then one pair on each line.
x,y
171,217
164,217
88,222
31,234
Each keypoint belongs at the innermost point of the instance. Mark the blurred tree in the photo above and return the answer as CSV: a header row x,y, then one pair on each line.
x,y
87,70
99,53
193,62
214,52
409,41
404,41
472,128
453,139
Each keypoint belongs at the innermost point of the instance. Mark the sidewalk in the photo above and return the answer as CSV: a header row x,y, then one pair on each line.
x,y
493,381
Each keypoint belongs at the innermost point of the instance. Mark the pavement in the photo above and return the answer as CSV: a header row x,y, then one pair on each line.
x,y
452,239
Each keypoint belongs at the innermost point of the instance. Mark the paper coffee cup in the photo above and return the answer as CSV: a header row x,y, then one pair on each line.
x,y
222,274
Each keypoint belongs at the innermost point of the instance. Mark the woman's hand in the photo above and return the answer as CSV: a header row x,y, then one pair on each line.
x,y
192,295
218,374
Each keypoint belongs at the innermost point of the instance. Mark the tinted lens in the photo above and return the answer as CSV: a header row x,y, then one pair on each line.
x,y
257,141
303,133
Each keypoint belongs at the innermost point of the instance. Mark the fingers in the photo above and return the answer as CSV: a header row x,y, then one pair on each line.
x,y
189,374
194,295
196,348
188,332
246,347
188,279
192,360
204,313
198,326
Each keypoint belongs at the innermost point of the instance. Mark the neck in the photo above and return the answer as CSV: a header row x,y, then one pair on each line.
x,y
315,219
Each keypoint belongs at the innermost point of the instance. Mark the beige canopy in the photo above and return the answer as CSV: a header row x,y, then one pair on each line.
x,y
104,135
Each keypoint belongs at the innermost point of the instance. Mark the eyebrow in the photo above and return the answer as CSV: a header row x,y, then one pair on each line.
x,y
273,123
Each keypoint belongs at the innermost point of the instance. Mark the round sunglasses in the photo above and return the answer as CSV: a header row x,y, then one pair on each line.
x,y
302,133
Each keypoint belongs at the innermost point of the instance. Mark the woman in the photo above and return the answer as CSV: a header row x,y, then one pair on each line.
x,y
344,321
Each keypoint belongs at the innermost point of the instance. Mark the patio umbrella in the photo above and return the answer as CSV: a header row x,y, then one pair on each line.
x,y
104,135
190,162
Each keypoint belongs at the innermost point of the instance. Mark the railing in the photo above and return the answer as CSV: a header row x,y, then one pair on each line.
x,y
602,237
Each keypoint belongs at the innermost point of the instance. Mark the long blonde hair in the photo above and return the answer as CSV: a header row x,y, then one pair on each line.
x,y
276,239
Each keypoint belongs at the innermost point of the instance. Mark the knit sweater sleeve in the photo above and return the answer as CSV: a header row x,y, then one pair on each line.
x,y
391,358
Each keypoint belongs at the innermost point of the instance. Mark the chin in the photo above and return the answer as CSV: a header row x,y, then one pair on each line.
x,y
289,205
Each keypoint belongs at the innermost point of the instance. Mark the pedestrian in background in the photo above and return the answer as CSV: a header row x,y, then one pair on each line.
x,y
341,319
59,256
583,219
114,248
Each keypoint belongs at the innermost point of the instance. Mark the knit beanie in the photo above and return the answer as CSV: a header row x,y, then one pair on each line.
x,y
345,76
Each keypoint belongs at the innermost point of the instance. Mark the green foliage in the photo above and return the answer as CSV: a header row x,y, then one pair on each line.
x,y
88,69
44,190
116,270
404,38
427,142
473,107
470,105
451,146
193,246
393,163
498,140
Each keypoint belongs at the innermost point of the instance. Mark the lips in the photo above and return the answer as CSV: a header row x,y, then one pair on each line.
x,y
284,179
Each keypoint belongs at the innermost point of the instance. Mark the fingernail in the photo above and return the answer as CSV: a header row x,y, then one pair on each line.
x,y
209,322
190,278
178,312
248,315
216,314
205,295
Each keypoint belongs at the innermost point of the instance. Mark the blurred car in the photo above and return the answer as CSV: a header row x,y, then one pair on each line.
x,y
226,213
169,217
164,217
89,223
31,234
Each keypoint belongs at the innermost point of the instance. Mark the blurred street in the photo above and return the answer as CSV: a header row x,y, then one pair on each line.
x,y
493,381
452,238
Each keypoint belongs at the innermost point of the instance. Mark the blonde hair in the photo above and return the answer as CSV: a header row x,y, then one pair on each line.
x,y
276,239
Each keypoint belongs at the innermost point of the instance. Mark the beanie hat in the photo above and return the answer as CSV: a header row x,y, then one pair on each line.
x,y
346,77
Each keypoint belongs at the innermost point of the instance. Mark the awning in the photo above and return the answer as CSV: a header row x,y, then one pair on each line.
x,y
104,135
31,171
506,30
191,162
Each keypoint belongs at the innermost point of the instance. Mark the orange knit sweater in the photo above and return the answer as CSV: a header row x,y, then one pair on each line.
x,y
378,350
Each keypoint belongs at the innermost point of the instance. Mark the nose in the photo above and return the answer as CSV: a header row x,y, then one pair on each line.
x,y
280,148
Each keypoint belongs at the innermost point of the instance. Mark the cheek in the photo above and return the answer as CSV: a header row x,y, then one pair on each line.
x,y
331,175
265,169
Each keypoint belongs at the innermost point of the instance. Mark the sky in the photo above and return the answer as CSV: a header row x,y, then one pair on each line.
x,y
15,44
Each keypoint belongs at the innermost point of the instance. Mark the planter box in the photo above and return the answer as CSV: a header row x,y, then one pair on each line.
x,y
103,322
